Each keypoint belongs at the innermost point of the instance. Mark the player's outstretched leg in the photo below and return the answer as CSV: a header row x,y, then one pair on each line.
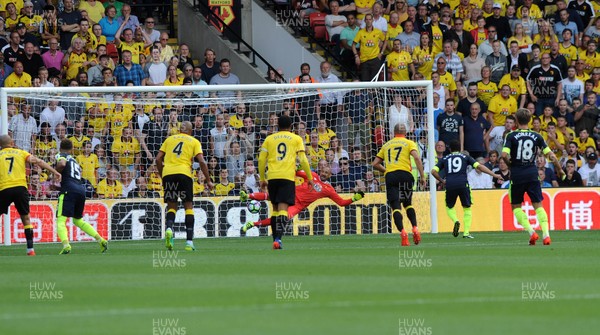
x,y
468,221
61,228
88,229
412,217
454,218
542,217
523,220
189,230
260,196
169,241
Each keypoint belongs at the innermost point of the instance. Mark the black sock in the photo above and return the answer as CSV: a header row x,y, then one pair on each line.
x,y
398,220
283,221
274,224
29,237
412,216
170,220
189,226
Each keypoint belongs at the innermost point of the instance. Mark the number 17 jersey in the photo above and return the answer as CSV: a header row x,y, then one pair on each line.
x,y
395,154
523,146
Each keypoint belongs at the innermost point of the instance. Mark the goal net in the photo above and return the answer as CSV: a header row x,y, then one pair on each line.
x,y
117,133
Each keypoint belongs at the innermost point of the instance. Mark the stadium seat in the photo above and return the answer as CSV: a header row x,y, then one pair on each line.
x,y
317,25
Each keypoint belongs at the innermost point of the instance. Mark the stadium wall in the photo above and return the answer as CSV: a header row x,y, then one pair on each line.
x,y
135,219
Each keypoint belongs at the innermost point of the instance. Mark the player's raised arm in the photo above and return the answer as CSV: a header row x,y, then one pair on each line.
x,y
552,158
36,161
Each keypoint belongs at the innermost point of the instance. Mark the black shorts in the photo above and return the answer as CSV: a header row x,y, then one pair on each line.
x,y
19,195
71,205
464,193
399,186
282,191
178,186
516,192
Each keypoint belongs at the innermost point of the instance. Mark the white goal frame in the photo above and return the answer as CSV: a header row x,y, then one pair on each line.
x,y
427,84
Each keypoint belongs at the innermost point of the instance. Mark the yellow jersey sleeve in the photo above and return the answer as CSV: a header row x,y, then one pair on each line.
x,y
12,168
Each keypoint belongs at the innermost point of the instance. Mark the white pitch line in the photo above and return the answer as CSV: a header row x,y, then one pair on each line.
x,y
276,306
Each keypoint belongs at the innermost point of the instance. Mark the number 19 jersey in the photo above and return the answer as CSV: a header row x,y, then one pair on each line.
x,y
396,154
522,146
282,149
180,151
456,165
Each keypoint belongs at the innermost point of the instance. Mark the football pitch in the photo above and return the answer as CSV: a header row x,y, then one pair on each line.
x,y
494,284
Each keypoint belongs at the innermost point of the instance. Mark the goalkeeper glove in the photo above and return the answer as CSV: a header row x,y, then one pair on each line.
x,y
357,196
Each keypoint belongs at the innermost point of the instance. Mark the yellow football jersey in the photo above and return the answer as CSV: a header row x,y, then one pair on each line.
x,y
282,149
126,150
110,191
400,61
486,92
12,168
396,154
78,144
89,165
501,108
180,151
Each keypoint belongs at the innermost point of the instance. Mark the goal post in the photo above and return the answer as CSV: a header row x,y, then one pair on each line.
x,y
262,101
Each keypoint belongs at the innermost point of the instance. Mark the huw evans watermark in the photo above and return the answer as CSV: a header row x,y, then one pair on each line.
x,y
413,259
168,326
167,259
536,291
290,291
408,326
44,291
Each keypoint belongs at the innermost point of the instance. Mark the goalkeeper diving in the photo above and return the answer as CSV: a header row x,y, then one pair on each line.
x,y
305,195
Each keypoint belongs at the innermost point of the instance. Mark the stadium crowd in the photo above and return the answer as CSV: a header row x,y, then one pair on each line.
x,y
486,59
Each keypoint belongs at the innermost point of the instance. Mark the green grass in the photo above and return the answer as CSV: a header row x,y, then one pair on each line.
x,y
353,284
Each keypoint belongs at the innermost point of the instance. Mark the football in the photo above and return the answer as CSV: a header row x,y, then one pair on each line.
x,y
254,206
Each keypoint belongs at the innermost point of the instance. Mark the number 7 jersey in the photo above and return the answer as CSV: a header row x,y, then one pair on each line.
x,y
180,151
523,146
395,154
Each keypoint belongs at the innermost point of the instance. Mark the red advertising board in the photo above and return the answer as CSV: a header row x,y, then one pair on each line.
x,y
42,218
576,210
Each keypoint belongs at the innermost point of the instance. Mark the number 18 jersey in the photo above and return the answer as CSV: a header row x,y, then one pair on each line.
x,y
522,146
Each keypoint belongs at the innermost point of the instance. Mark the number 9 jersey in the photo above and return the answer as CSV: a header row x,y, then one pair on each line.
x,y
282,149
71,175
523,146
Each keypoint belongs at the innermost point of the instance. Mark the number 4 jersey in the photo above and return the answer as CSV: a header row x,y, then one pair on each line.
x,y
523,146
71,175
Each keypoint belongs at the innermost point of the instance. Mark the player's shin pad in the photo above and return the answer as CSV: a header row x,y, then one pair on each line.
x,y
468,219
189,224
522,219
452,214
86,227
543,219
61,229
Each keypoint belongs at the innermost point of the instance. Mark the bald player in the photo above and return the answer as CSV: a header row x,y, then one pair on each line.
x,y
13,183
399,181
174,162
